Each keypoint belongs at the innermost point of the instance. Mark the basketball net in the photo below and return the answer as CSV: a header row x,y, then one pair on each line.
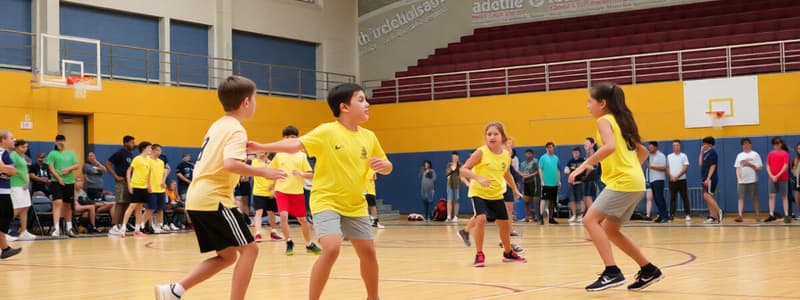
x,y
79,84
716,119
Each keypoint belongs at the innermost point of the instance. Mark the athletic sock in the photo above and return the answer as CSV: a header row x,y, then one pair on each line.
x,y
178,290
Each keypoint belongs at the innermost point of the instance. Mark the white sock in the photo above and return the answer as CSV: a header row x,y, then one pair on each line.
x,y
177,288
57,226
69,226
273,231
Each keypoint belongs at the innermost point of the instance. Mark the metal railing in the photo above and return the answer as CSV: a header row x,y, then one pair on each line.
x,y
130,63
726,61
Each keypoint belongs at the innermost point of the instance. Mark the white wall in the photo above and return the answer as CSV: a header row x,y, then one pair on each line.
x,y
333,24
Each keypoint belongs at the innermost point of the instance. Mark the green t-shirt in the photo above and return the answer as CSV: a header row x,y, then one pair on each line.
x,y
62,160
21,179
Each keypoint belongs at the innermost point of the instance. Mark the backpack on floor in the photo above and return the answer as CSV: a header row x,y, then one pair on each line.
x,y
440,210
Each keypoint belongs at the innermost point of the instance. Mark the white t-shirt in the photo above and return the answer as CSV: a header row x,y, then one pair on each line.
x,y
748,174
676,163
657,160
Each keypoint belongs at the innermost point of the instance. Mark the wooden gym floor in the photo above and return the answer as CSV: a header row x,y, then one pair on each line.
x,y
427,261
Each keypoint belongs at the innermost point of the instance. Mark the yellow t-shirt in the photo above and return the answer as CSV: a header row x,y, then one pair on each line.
x,y
293,184
156,175
212,184
370,182
622,171
494,167
141,172
342,164
261,184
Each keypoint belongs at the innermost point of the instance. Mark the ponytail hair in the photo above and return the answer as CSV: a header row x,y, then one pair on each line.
x,y
615,103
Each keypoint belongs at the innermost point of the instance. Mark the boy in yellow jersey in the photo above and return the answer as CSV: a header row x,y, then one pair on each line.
x,y
370,196
264,199
156,203
622,153
219,226
488,169
345,152
138,175
289,192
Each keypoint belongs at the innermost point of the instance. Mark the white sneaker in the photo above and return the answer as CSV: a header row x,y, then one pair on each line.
x,y
164,292
165,228
26,236
114,230
173,227
572,219
10,238
157,230
454,220
688,218
579,219
55,233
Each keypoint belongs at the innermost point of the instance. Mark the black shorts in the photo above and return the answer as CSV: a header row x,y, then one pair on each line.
x,y
243,189
140,196
95,194
531,189
550,193
6,212
590,189
492,209
370,199
65,192
265,203
508,196
220,229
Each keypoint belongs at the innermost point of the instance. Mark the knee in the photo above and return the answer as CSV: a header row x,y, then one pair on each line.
x,y
480,219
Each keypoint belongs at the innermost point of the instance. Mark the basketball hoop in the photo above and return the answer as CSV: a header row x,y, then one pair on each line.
x,y
80,84
716,119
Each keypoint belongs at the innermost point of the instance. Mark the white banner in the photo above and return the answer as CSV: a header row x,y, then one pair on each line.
x,y
736,98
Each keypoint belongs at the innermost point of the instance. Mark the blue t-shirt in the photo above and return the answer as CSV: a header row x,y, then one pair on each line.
x,y
5,179
121,160
549,165
709,159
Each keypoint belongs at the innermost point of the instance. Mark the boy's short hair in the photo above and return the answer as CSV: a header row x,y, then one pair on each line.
x,y
18,143
271,155
654,144
548,144
60,137
127,139
341,94
154,146
529,151
454,153
677,141
143,145
290,130
233,90
746,140
709,140
576,149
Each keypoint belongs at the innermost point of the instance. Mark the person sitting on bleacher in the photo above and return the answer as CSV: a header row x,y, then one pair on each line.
x,y
85,205
177,205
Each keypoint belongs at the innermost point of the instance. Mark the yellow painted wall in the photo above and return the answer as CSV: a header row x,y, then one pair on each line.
x,y
562,117
180,116
168,115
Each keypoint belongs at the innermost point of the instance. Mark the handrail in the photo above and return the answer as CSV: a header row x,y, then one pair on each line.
x,y
633,67
191,69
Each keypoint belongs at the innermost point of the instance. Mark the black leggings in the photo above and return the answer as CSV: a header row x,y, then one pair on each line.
x,y
675,188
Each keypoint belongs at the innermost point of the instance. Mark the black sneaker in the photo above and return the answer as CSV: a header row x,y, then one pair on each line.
x,y
73,233
553,221
289,248
464,236
647,218
770,219
787,219
9,252
643,280
606,281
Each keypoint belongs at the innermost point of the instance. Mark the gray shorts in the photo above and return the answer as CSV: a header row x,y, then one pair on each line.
x,y
780,187
618,206
328,222
748,190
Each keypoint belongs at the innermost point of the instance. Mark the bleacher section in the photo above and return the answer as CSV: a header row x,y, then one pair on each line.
x,y
621,47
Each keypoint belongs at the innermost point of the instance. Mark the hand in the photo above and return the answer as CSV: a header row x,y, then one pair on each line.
x,y
149,190
706,183
130,190
270,173
673,179
163,186
773,178
297,173
517,194
119,179
60,181
483,181
378,165
65,171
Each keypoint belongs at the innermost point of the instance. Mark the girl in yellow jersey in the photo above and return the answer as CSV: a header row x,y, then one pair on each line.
x,y
488,171
622,154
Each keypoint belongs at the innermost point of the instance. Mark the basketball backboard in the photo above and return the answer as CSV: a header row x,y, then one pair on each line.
x,y
62,58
